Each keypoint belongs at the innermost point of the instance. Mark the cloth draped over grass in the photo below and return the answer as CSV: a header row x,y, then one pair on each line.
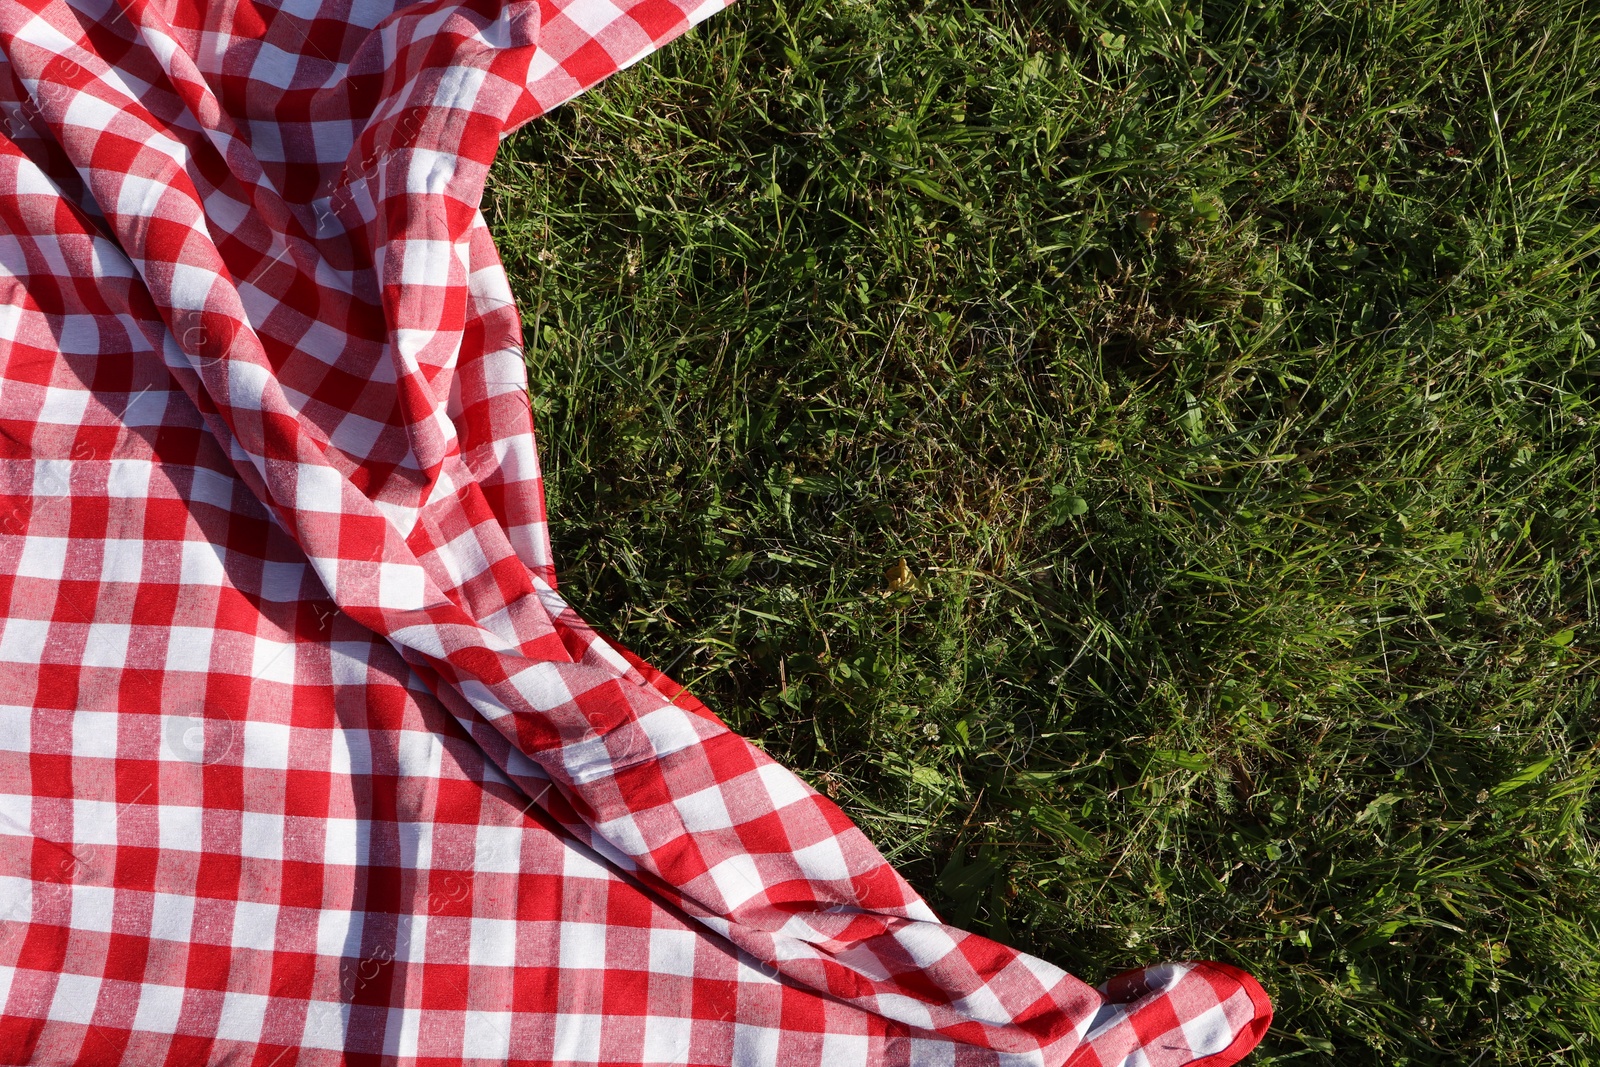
x,y
304,759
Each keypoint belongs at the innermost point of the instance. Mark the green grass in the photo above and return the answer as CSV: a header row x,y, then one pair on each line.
x,y
1225,378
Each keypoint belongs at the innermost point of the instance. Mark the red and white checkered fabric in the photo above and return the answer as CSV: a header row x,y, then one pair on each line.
x,y
302,758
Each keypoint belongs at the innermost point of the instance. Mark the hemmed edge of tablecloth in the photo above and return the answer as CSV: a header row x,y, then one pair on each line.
x,y
1245,1039
1252,1033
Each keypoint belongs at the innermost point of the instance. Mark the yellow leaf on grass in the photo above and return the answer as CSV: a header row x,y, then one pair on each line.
x,y
899,577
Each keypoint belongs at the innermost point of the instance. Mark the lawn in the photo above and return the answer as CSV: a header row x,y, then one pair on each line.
x,y
1139,459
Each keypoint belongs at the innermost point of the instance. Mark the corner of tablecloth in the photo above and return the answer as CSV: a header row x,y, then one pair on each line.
x,y
1251,1034
583,42
1197,1014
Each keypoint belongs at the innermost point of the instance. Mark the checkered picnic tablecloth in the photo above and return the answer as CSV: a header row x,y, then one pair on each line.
x,y
303,760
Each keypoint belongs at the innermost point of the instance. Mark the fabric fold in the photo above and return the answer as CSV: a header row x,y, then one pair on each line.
x,y
329,761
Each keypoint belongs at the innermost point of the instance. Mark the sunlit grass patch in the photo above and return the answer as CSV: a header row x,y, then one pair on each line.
x,y
1139,460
